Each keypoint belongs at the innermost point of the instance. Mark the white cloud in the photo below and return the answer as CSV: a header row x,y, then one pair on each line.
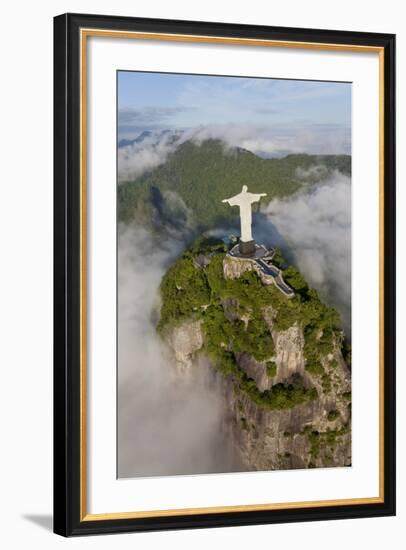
x,y
137,158
278,140
315,172
317,229
166,426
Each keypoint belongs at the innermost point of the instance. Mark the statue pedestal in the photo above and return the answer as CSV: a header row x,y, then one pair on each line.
x,y
247,248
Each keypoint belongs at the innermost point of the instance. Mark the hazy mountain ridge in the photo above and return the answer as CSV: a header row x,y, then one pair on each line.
x,y
189,186
153,137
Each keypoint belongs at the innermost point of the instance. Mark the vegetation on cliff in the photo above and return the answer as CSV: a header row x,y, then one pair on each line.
x,y
233,319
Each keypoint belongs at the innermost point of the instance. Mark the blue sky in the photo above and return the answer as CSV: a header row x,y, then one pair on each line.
x,y
281,108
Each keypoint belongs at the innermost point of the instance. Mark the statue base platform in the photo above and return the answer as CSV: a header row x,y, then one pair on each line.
x,y
259,251
246,248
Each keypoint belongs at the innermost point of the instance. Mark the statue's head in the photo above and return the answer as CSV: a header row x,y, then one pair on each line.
x,y
244,188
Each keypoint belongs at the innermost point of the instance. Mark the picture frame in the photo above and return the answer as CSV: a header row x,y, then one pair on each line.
x,y
73,208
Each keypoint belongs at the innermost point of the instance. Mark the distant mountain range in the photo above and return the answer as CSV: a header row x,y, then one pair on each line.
x,y
138,139
189,187
155,137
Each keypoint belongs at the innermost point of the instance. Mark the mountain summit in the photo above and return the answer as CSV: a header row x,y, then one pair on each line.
x,y
278,360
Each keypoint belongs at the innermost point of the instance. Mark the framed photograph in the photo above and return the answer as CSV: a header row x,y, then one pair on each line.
x,y
224,274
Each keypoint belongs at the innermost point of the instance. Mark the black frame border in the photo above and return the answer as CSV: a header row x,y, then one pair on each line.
x,y
67,521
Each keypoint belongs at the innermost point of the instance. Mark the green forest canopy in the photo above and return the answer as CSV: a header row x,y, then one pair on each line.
x,y
192,292
204,174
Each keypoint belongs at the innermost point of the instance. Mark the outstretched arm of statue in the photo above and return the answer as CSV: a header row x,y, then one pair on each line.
x,y
230,201
256,196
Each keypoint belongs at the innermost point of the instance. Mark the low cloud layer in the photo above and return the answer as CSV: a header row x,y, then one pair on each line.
x,y
166,426
315,229
279,140
137,158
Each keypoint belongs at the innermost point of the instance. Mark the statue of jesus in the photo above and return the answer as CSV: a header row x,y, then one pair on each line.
x,y
244,200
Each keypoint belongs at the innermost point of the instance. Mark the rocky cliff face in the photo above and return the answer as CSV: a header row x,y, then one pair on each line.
x,y
233,269
185,339
313,433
